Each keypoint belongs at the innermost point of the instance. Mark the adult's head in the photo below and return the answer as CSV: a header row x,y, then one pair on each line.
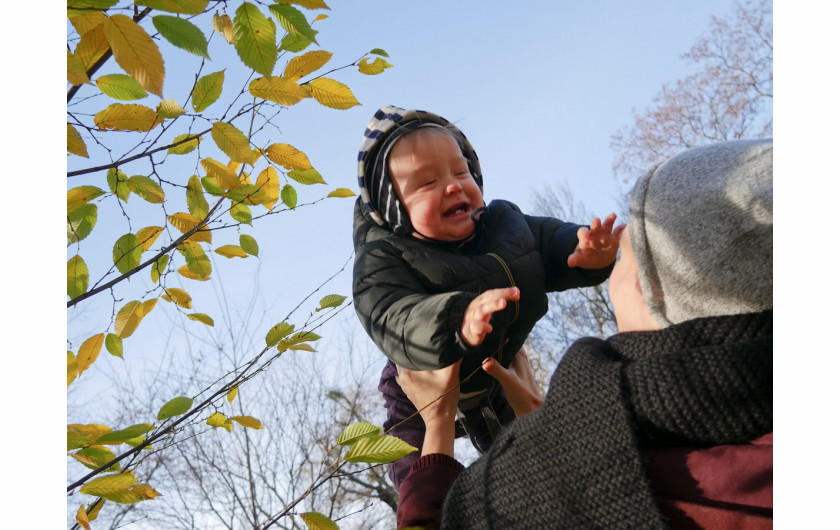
x,y
387,127
699,241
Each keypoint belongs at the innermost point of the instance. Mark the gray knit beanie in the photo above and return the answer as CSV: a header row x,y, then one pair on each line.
x,y
701,226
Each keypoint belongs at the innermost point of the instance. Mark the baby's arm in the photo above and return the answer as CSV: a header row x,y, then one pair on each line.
x,y
597,245
476,323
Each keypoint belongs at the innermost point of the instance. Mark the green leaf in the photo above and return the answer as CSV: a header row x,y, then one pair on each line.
x,y
240,212
309,176
357,431
175,407
231,141
118,183
379,51
331,300
197,260
81,195
278,332
127,253
96,456
289,196
182,33
293,21
211,186
80,222
207,90
318,521
378,449
297,338
201,317
77,276
146,188
121,86
342,193
196,203
75,143
294,43
91,4
159,268
186,147
114,345
121,436
254,34
186,7
249,245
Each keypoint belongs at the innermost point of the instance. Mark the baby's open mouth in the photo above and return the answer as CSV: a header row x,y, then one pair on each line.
x,y
457,209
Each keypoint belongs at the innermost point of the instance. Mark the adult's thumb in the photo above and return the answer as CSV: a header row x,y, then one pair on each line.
x,y
496,370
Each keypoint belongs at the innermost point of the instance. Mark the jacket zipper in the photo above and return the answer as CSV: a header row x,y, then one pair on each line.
x,y
502,339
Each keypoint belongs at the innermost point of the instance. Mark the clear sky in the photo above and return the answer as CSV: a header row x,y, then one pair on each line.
x,y
537,87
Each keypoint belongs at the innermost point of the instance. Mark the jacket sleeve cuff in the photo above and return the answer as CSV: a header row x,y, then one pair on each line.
x,y
436,460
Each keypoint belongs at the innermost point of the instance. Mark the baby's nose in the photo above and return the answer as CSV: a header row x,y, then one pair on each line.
x,y
453,187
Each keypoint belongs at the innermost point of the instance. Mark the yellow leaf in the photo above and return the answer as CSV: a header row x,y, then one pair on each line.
x,y
83,435
82,518
185,222
128,318
148,305
303,347
169,108
75,144
72,368
129,117
247,421
89,351
147,236
87,21
232,142
224,25
231,251
184,7
135,52
217,419
80,195
197,261
376,67
311,4
112,487
306,64
76,74
231,395
187,273
330,93
143,492
320,17
341,192
223,175
92,46
201,317
269,183
277,89
95,511
179,297
288,156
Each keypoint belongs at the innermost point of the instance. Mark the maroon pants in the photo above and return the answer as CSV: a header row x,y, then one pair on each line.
x,y
399,407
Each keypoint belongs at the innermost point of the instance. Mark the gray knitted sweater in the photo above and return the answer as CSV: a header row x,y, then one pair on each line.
x,y
576,463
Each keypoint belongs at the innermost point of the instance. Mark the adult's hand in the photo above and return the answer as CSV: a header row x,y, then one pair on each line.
x,y
518,382
423,388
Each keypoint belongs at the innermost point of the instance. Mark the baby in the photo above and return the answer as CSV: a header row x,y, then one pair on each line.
x,y
440,277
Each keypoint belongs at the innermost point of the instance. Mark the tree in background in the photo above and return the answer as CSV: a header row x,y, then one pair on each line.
x,y
729,96
195,151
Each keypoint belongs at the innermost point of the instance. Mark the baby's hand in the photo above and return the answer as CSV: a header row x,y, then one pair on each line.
x,y
597,245
476,323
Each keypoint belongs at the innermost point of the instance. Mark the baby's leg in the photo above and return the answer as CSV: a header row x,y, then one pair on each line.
x,y
398,408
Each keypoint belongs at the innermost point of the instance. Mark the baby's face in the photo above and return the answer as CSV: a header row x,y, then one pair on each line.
x,y
434,184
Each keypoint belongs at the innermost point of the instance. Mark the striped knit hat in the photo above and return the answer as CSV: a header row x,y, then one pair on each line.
x,y
388,125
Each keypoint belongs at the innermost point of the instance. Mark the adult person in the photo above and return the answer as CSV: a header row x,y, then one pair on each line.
x,y
668,423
